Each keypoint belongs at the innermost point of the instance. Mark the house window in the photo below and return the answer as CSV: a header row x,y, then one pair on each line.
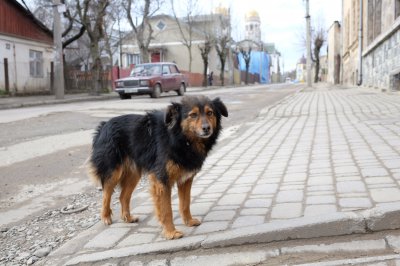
x,y
161,25
35,64
397,9
374,19
370,21
378,17
132,59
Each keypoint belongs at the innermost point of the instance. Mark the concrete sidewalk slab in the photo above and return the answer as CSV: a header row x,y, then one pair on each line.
x,y
301,228
322,162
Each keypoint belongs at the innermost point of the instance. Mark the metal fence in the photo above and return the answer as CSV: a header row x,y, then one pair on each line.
x,y
82,81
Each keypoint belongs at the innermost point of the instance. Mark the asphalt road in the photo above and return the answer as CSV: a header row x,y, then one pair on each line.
x,y
43,148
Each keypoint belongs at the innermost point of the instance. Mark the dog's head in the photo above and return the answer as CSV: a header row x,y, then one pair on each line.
x,y
198,117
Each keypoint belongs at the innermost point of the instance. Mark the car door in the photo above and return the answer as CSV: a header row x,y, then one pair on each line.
x,y
167,80
175,76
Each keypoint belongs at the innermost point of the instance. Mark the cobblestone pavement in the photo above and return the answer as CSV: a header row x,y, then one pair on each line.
x,y
318,152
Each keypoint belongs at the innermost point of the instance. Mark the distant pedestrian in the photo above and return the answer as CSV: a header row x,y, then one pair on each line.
x,y
210,78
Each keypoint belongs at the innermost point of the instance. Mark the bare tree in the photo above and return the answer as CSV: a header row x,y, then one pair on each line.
x,y
72,16
205,50
94,24
222,41
318,39
73,28
222,48
42,11
246,54
112,19
186,28
144,31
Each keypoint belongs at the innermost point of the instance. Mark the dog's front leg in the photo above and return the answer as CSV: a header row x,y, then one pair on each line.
x,y
163,209
184,203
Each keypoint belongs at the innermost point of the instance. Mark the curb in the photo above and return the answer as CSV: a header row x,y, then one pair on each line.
x,y
385,217
102,97
54,101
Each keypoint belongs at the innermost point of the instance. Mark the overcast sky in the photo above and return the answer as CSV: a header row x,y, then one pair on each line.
x,y
282,21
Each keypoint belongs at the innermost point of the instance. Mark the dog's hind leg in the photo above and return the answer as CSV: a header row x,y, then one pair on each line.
x,y
184,203
108,189
162,202
128,183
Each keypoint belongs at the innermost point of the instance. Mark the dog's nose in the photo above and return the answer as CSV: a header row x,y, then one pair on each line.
x,y
206,128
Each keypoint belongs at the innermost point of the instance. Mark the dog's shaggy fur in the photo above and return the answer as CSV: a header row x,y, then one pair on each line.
x,y
169,146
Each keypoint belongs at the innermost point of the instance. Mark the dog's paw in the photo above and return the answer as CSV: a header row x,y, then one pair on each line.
x,y
173,234
129,219
193,222
106,220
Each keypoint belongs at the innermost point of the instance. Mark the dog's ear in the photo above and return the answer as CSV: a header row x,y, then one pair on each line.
x,y
172,113
220,106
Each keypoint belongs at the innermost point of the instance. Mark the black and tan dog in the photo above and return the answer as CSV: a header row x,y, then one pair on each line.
x,y
169,146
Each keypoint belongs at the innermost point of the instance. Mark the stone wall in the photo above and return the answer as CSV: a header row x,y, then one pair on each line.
x,y
381,63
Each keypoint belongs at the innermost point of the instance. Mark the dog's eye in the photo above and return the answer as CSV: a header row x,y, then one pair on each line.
x,y
210,113
193,115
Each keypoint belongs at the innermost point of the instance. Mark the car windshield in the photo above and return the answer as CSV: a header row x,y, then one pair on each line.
x,y
146,70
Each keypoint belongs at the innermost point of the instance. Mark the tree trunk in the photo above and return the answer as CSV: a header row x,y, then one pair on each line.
x,y
204,51
222,74
316,71
190,58
316,76
144,54
96,68
246,81
205,80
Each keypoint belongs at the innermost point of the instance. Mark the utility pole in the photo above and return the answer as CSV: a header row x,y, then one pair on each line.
x,y
58,60
230,57
308,40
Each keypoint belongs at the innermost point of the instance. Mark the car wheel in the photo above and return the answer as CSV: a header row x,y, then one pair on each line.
x,y
124,96
181,90
156,91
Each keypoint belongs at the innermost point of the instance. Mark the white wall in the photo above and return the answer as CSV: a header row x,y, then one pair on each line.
x,y
17,52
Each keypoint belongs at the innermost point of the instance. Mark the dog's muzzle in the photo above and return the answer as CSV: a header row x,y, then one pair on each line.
x,y
206,130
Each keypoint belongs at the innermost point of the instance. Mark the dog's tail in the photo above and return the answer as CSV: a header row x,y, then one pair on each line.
x,y
92,173
90,168
97,133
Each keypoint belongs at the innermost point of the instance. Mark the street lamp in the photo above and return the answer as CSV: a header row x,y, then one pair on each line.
x,y
58,59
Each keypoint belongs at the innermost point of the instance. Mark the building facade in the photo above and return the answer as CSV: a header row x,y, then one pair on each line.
x,y
253,26
334,59
167,44
381,55
301,70
26,51
371,49
350,42
253,40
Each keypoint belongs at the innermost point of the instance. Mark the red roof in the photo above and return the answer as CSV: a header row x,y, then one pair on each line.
x,y
17,21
